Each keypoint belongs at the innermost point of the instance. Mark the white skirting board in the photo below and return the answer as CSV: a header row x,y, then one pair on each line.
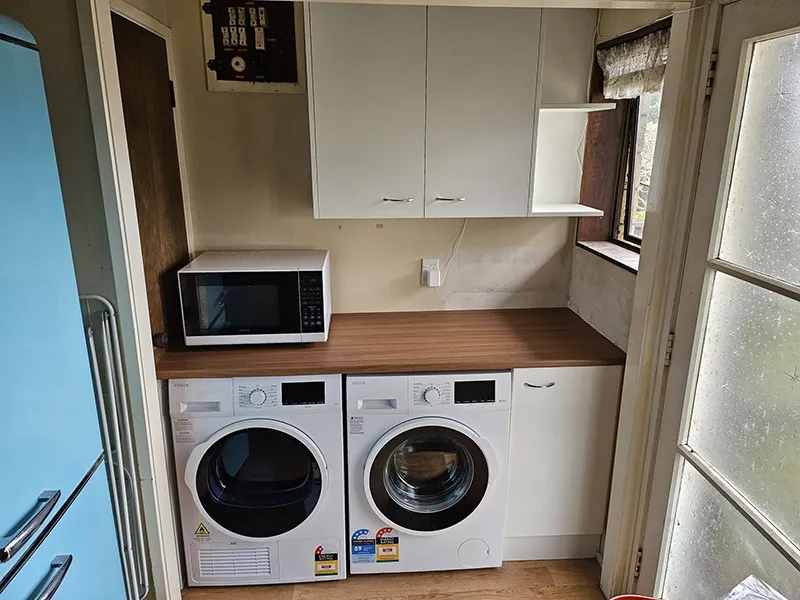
x,y
551,547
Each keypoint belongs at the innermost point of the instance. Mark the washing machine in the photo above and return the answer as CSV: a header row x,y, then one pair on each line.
x,y
260,469
427,459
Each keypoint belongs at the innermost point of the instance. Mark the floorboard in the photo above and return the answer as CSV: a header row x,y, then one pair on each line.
x,y
530,580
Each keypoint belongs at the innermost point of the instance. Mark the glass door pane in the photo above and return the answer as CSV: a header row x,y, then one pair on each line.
x,y
737,512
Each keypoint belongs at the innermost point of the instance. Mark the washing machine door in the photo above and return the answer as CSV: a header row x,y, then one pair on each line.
x,y
257,479
428,475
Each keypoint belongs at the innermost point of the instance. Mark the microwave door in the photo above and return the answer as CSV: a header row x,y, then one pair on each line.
x,y
241,304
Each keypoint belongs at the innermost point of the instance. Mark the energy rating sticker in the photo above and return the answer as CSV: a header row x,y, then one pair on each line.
x,y
362,547
387,546
326,561
201,530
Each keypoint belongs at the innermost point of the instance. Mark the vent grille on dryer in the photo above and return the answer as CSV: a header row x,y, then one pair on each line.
x,y
228,562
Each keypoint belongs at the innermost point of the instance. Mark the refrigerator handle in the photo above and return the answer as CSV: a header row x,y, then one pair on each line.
x,y
61,564
12,544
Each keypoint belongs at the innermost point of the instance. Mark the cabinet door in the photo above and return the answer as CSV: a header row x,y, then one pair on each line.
x,y
482,74
86,534
367,109
561,449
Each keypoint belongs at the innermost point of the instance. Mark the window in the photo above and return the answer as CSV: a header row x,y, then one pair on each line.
x,y
631,206
620,144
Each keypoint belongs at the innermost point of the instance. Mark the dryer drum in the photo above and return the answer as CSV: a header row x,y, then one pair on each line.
x,y
259,482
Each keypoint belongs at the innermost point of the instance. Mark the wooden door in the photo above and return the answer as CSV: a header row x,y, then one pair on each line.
x,y
147,101
367,109
481,84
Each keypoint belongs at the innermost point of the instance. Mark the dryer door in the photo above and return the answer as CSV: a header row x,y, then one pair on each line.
x,y
429,474
258,478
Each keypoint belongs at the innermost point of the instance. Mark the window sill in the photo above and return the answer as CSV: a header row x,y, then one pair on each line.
x,y
622,257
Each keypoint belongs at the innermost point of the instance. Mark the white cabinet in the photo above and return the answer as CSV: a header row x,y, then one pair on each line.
x,y
481,92
421,111
366,79
563,423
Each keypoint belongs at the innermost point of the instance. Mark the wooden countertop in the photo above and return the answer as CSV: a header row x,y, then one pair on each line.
x,y
476,340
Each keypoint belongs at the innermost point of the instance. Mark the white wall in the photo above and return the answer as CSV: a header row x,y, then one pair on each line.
x,y
601,293
616,22
250,186
155,8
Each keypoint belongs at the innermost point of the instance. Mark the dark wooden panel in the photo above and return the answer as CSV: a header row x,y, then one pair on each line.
x,y
416,342
602,162
150,128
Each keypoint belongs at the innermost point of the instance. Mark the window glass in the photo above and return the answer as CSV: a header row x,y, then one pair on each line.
x,y
762,219
714,548
646,132
746,415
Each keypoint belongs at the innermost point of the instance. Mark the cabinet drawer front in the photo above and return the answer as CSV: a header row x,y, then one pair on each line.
x,y
563,423
367,104
482,67
86,533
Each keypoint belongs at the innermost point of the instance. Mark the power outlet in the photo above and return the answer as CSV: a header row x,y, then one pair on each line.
x,y
431,276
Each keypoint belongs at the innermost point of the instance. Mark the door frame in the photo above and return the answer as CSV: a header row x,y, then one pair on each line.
x,y
150,433
141,18
655,304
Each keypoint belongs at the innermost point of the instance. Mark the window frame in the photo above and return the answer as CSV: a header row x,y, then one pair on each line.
x,y
610,127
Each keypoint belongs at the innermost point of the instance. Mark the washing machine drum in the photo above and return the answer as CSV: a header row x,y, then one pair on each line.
x,y
258,481
427,477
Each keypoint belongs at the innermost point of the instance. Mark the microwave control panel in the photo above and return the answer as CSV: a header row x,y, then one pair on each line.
x,y
312,302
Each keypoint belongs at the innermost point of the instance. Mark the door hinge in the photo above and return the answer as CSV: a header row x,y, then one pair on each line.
x,y
637,568
668,353
172,93
712,74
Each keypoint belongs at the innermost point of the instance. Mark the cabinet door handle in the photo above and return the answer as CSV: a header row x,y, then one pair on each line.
x,y
11,544
61,564
539,386
398,199
441,199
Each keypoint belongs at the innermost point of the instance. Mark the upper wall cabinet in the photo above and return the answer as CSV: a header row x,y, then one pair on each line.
x,y
420,111
367,109
482,68
435,111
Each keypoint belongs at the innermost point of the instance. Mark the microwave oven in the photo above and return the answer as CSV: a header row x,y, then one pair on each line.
x,y
257,297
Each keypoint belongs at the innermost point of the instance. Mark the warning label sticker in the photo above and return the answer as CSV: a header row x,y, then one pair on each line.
x,y
183,431
201,530
326,561
387,545
362,547
356,425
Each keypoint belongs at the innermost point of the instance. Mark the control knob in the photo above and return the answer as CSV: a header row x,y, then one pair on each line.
x,y
258,397
431,395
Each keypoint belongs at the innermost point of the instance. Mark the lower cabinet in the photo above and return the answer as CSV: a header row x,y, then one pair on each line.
x,y
563,426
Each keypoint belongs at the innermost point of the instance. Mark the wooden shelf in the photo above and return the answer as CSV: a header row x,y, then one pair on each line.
x,y
565,210
584,108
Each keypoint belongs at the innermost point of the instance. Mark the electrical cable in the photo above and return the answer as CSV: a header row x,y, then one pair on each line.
x,y
454,251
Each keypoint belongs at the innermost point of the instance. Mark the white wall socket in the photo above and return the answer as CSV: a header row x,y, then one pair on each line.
x,y
431,275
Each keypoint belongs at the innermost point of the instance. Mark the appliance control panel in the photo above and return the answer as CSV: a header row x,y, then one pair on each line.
x,y
485,390
312,302
261,395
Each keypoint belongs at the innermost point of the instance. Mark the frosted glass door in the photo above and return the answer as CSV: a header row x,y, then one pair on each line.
x,y
736,491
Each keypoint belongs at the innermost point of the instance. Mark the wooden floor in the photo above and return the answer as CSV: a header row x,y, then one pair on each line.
x,y
546,580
